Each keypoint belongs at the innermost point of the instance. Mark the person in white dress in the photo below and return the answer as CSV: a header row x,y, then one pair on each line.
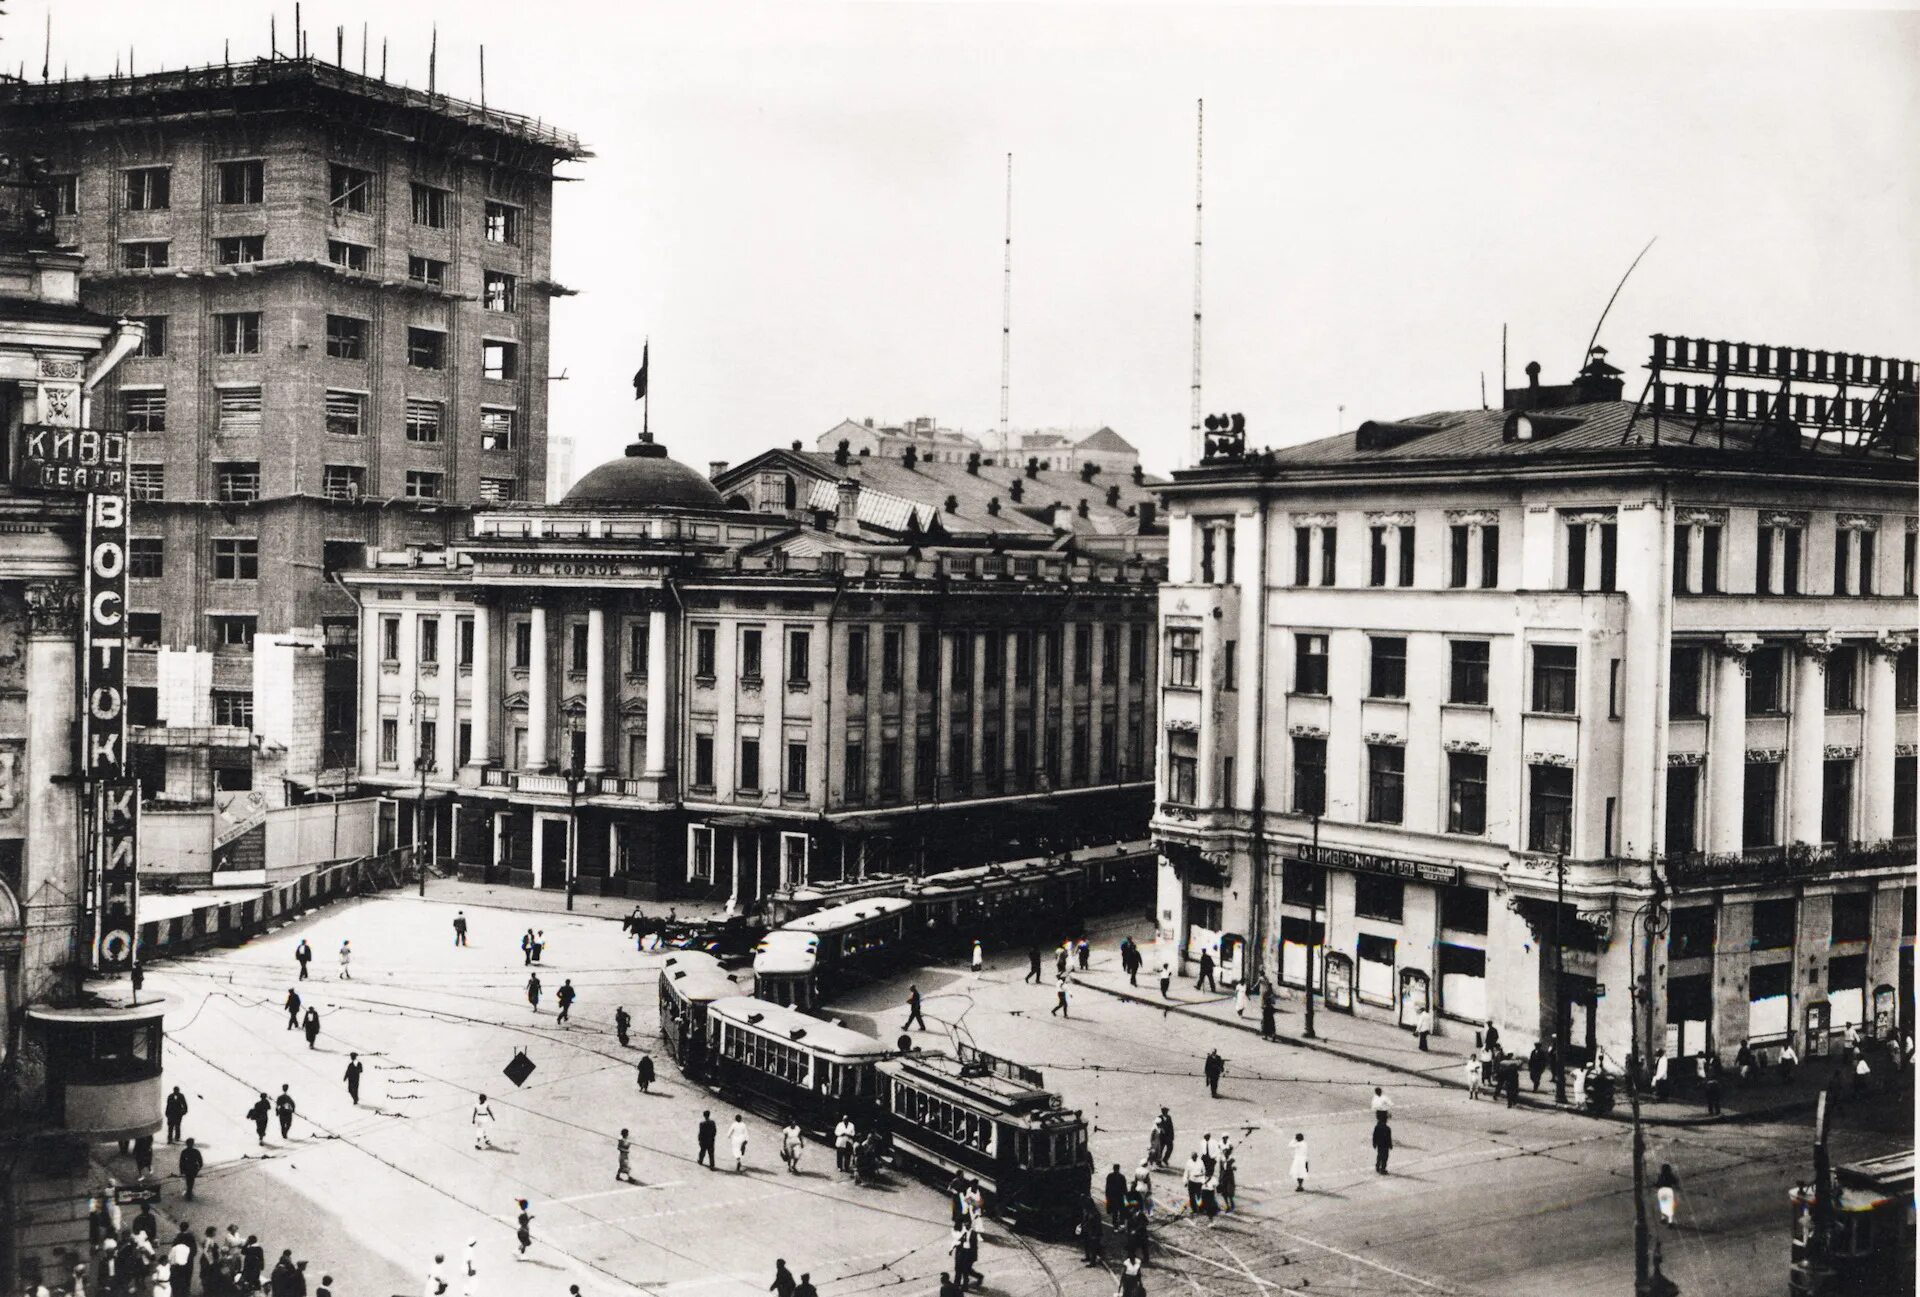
x,y
346,960
791,1142
979,957
1299,1168
1240,1000
737,1141
482,1123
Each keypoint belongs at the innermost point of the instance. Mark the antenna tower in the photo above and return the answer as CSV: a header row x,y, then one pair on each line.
x,y
1006,310
1195,445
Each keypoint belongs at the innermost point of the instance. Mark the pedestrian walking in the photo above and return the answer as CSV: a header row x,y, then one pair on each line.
x,y
212,1282
1214,1068
1205,981
1226,1177
303,955
783,1283
279,1283
1269,1010
1140,1189
1091,1228
1382,1143
1472,1069
191,1164
622,1025
526,948
1666,1191
1130,960
979,956
1380,1103
533,991
1059,996
1165,1125
966,1249
564,998
805,1287
1492,1036
460,928
261,1111
1060,958
283,1108
180,1262
1300,1166
1166,976
1139,1245
1116,1194
791,1142
644,1073
1240,999
1423,1028
176,1113
523,1227
1033,965
737,1142
913,1008
1536,1064
352,1077
623,1149
539,944
253,1263
293,1009
1084,951
482,1123
1713,1092
311,1024
843,1138
1195,1173
708,1133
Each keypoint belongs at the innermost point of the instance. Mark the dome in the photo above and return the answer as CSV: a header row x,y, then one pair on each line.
x,y
645,478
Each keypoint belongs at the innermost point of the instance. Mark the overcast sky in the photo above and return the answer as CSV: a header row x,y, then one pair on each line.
x,y
802,203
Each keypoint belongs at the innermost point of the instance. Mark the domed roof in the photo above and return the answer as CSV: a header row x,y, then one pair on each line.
x,y
645,478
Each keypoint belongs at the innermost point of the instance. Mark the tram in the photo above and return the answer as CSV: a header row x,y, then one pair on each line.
x,y
690,981
1868,1245
993,1121
794,965
782,1061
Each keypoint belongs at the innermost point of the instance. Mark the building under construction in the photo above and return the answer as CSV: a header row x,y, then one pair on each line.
x,y
345,286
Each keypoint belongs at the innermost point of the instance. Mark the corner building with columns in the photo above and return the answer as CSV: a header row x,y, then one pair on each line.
x,y
652,694
1450,704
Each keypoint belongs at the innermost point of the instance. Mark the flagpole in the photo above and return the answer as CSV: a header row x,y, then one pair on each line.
x,y
646,401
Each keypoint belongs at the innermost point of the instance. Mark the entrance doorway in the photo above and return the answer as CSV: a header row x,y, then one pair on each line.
x,y
1415,995
550,862
1574,999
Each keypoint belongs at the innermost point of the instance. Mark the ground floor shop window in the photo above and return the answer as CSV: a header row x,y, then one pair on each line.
x,y
1298,938
1463,982
699,854
793,859
1847,990
1767,986
1689,1011
1376,968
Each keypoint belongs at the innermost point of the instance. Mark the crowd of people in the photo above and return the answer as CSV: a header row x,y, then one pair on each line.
x,y
137,1258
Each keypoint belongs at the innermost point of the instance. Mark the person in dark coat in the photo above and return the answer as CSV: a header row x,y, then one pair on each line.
x,y
645,1072
1269,1008
1713,1091
1138,1244
253,1263
191,1163
533,991
1227,1180
709,1133
1092,1229
285,1281
622,1024
526,948
143,1154
312,1024
564,998
805,1287
783,1283
1382,1143
283,1108
913,1010
303,955
176,1113
1205,980
1215,1068
352,1077
1033,965
293,1008
1116,1188
261,1113
1536,1064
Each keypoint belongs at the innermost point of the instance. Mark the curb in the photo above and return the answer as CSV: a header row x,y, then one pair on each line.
x,y
1618,1114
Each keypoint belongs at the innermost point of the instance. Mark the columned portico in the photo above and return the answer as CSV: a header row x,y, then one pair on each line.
x,y
537,686
1727,747
596,689
1807,739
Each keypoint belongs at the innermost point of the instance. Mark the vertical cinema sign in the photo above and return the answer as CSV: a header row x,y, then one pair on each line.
x,y
115,805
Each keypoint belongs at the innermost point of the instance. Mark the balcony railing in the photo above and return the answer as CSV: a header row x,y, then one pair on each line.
x,y
1799,860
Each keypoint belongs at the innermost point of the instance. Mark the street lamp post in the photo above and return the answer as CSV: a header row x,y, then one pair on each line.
x,y
573,812
1313,922
1651,921
1559,982
423,762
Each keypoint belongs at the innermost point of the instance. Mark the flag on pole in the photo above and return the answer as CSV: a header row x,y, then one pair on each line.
x,y
640,375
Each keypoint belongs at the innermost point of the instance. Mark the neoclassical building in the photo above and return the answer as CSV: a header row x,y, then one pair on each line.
x,y
1443,697
649,692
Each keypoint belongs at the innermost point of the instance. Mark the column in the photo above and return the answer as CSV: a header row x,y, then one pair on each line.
x,y
1877,738
446,759
537,685
1807,737
733,897
596,689
1725,798
482,685
369,688
657,693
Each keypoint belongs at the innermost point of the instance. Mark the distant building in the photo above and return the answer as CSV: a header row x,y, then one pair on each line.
x,y
345,285
559,466
1068,450
1411,670
935,445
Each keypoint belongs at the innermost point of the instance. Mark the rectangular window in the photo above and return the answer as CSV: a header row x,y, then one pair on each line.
x,y
463,744
890,658
960,758
1050,646
1852,917
1693,932
496,490
960,673
1302,555
243,183
856,661
1328,553
1842,680
1183,768
146,558
143,630
429,206
1110,654
236,559
60,195
1549,808
1081,751
1376,556
349,256
799,656
1230,665
796,769
1765,669
1136,653
389,639
1489,556
503,223
1379,898
1183,658
147,481
637,649
346,337
143,411
1909,559
497,292
239,410
238,333
427,271
499,359
496,428
1082,654
1467,793
239,249
421,485
1459,548
1406,555
749,765
926,659
1710,559
463,641
1836,800
426,348
146,254
1868,561
1683,800
1683,682
236,480
577,646
1463,909
1906,679
523,645
1387,666
1468,668
1555,679
703,761
153,342
889,769
1576,556
923,763
1310,664
705,641
750,652
1903,796
346,413
1386,783
1760,805
149,189
429,631
349,189
424,421
233,707
1309,776
1842,561
1773,924
856,772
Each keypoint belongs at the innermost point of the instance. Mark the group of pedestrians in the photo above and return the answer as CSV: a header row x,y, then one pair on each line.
x,y
134,1259
310,1023
303,956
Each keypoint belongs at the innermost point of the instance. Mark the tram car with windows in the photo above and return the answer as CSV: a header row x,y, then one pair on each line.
x,y
796,964
690,981
994,1121
787,1064
1868,1244
781,908
1000,903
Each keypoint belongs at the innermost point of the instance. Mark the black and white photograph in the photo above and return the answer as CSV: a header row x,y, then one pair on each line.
x,y
1258,649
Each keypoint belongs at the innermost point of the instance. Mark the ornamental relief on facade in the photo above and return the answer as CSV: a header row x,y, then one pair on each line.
x,y
1467,745
1685,758
1689,516
1473,517
1842,751
1764,755
1561,760
1857,521
1306,731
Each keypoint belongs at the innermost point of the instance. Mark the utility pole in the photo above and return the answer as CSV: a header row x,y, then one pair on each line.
x,y
1651,920
1559,981
422,761
573,815
1313,922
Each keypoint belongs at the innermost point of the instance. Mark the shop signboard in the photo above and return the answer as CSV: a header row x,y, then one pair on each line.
x,y
115,804
74,461
1421,871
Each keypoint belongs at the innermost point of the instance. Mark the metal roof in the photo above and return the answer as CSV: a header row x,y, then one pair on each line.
x,y
810,1033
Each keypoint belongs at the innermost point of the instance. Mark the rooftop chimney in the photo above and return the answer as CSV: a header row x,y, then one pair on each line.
x,y
993,507
1033,466
1146,516
1016,490
715,467
1139,475
910,457
796,443
1083,506
1087,472
1113,496
868,421
953,504
840,452
846,505
973,462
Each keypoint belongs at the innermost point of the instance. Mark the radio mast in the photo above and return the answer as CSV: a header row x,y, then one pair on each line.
x,y
1006,311
1195,445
